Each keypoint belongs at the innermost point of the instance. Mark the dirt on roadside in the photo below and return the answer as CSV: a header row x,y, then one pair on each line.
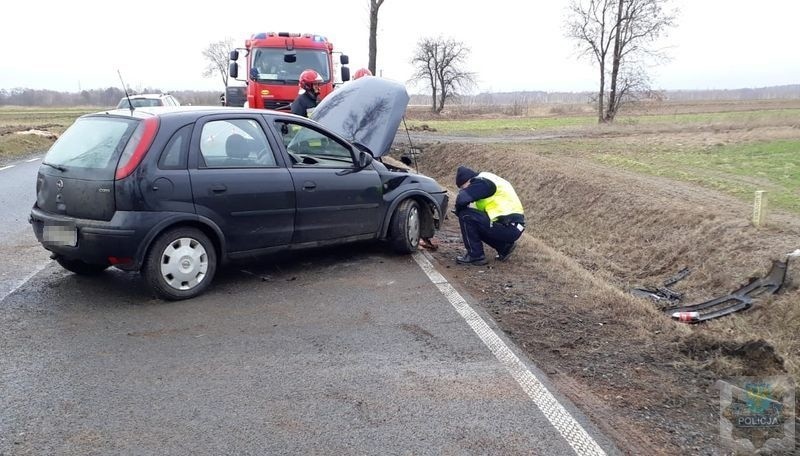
x,y
593,233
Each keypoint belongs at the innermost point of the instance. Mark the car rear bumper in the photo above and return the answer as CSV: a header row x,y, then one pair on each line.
x,y
116,241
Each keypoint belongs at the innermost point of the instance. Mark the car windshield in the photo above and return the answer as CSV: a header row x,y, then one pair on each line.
x,y
140,103
268,65
92,143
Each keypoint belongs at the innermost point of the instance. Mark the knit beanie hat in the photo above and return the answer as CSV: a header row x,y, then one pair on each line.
x,y
463,175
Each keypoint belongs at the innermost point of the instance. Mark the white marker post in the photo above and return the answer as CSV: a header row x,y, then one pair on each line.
x,y
760,208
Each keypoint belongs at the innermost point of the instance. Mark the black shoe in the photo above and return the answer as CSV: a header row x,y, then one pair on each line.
x,y
466,259
504,256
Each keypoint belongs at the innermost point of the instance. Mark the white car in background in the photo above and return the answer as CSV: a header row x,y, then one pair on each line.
x,y
147,100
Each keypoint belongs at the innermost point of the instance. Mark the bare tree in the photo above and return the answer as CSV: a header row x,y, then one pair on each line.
x,y
217,53
374,6
439,62
619,35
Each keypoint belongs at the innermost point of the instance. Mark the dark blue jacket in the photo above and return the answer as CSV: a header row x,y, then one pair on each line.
x,y
303,103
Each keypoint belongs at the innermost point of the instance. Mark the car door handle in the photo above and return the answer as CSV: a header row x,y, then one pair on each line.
x,y
308,185
218,188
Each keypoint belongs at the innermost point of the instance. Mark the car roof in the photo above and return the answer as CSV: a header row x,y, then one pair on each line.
x,y
162,111
149,95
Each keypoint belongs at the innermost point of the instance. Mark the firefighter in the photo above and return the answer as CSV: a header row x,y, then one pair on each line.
x,y
309,91
361,72
497,217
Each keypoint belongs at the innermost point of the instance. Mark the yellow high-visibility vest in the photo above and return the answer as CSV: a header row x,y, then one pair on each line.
x,y
504,201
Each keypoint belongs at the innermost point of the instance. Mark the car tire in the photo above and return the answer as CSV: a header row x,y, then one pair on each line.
x,y
80,267
180,264
404,231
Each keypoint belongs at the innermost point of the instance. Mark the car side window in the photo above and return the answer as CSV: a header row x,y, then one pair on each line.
x,y
309,147
235,143
174,155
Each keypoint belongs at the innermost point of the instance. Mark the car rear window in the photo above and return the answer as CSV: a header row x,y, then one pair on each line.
x,y
139,103
92,144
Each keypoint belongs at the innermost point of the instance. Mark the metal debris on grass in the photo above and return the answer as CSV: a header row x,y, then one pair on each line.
x,y
741,299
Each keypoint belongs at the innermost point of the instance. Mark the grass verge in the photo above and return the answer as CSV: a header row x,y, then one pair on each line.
x,y
14,120
482,127
737,169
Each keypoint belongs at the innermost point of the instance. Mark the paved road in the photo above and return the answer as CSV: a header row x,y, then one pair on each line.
x,y
20,254
341,351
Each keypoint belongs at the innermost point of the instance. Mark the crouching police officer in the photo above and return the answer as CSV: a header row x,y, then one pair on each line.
x,y
497,218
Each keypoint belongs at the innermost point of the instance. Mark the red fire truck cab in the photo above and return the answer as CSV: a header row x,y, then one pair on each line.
x,y
275,61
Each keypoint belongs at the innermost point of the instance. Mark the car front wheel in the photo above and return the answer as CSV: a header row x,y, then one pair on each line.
x,y
180,264
405,228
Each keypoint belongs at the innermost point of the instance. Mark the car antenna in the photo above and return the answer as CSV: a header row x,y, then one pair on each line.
x,y
413,155
125,89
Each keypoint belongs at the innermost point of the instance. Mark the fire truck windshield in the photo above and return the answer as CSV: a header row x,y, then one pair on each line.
x,y
268,65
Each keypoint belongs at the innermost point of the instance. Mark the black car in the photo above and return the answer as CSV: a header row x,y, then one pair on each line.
x,y
174,192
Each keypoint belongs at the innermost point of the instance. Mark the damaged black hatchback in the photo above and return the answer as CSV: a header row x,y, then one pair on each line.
x,y
175,192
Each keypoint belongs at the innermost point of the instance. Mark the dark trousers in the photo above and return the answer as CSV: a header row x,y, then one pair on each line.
x,y
476,228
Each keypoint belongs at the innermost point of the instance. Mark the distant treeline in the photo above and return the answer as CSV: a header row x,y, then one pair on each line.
x,y
112,95
95,97
786,92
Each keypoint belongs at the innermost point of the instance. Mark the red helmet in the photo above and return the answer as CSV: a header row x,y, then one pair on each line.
x,y
362,72
309,78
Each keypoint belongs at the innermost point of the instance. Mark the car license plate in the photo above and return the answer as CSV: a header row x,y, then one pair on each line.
x,y
56,234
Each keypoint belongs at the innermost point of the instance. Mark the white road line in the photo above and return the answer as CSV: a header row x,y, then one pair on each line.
x,y
32,160
580,441
6,167
25,279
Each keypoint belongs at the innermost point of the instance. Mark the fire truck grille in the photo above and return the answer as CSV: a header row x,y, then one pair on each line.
x,y
277,105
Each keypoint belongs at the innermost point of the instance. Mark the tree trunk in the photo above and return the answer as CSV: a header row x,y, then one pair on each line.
x,y
601,94
613,100
374,5
442,94
433,97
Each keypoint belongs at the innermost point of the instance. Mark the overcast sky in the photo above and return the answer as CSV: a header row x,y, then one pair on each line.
x,y
515,44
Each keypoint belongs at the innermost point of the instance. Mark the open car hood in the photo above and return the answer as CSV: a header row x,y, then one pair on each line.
x,y
366,111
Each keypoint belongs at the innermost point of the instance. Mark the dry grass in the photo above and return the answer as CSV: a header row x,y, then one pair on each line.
x,y
14,145
15,119
524,108
603,231
594,231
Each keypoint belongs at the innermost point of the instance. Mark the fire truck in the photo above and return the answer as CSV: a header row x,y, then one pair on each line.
x,y
274,63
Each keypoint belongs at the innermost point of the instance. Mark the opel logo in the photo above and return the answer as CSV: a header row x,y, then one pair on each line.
x,y
60,183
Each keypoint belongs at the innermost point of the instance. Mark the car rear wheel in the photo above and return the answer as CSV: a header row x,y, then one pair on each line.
x,y
180,264
405,227
80,267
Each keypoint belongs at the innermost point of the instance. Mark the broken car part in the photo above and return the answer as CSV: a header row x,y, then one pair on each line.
x,y
740,299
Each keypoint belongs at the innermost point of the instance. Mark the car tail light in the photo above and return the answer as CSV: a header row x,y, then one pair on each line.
x,y
137,147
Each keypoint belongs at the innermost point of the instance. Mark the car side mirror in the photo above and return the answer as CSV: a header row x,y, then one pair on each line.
x,y
345,74
234,55
364,159
233,70
344,59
